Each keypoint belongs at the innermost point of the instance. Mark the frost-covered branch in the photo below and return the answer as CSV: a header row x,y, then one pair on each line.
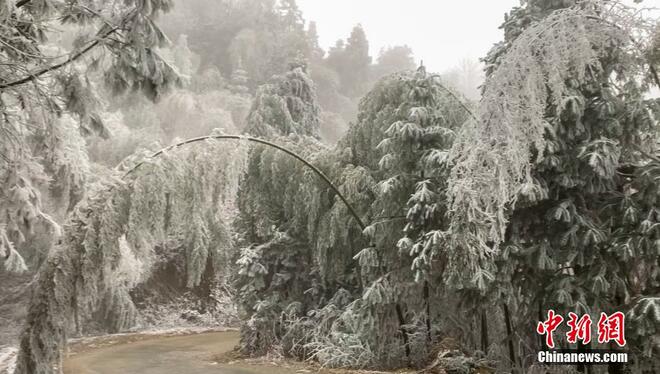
x,y
495,155
317,171
108,247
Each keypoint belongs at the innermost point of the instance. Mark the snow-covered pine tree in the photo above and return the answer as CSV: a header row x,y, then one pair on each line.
x,y
285,105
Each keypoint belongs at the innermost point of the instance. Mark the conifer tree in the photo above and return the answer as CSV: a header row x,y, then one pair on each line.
x,y
351,60
358,62
286,105
183,57
315,52
392,60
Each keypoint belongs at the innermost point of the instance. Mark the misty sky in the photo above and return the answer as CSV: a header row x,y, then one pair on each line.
x,y
442,33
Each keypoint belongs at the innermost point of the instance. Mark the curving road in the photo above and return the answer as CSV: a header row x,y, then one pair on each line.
x,y
191,354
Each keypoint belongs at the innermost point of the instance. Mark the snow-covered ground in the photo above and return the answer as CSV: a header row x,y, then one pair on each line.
x,y
7,359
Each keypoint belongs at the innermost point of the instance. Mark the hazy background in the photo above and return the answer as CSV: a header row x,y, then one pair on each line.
x,y
441,33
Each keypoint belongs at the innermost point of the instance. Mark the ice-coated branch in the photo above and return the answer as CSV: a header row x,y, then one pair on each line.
x,y
316,170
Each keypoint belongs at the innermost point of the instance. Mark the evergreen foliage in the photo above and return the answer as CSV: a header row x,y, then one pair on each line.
x,y
392,60
260,37
108,248
552,179
370,311
44,89
543,67
286,105
544,195
352,61
538,204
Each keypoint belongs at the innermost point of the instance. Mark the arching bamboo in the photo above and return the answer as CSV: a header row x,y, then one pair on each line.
x,y
267,143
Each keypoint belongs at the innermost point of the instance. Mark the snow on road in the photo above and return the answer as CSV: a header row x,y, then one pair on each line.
x,y
7,359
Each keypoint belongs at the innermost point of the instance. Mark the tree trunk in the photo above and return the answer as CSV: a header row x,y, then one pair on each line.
x,y
509,338
402,322
484,332
428,312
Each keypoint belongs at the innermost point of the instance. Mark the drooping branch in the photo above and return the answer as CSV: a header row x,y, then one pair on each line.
x,y
654,74
458,100
495,155
68,61
267,143
652,70
646,154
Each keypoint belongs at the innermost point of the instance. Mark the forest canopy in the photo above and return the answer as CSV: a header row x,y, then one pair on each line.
x,y
358,212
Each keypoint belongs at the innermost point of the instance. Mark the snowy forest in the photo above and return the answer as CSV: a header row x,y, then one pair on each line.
x,y
171,164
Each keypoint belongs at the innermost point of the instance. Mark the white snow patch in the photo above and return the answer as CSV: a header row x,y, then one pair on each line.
x,y
179,331
8,359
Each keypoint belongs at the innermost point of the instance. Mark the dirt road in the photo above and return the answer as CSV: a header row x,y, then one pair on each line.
x,y
191,354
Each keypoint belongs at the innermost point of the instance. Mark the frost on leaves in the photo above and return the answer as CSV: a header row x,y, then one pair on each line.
x,y
108,247
495,155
